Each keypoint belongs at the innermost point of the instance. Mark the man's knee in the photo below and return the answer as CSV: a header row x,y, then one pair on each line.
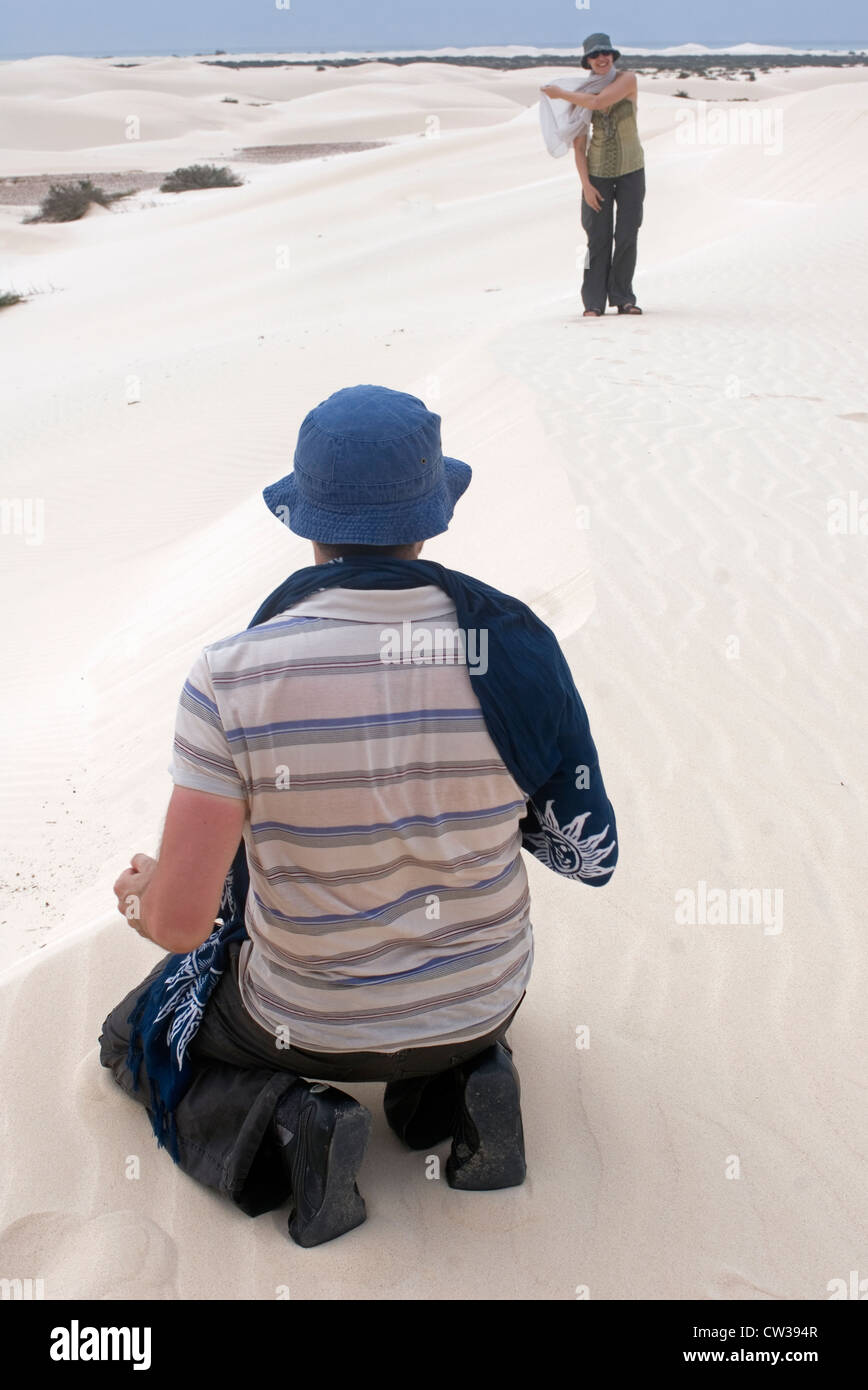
x,y
114,1042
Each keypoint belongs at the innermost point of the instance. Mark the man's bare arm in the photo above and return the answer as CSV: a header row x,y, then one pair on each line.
x,y
174,900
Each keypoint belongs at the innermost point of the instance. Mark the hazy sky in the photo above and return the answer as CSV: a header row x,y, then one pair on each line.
x,y
165,26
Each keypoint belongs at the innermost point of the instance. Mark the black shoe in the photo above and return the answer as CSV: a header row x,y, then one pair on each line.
x,y
322,1133
422,1109
488,1147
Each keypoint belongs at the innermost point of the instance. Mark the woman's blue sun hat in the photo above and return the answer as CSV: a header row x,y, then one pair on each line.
x,y
369,470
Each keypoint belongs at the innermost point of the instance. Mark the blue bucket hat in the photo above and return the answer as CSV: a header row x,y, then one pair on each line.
x,y
369,470
598,43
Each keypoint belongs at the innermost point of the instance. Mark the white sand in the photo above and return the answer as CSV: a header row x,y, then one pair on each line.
x,y
706,440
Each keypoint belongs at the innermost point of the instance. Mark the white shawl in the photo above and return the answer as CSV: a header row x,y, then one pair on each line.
x,y
562,121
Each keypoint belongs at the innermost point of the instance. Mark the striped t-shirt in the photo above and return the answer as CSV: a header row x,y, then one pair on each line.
x,y
388,904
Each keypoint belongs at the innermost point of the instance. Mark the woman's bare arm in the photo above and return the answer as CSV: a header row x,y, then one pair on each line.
x,y
592,197
624,85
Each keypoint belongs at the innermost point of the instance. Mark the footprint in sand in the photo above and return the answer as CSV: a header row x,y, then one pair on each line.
x,y
116,1255
93,1088
122,1145
859,416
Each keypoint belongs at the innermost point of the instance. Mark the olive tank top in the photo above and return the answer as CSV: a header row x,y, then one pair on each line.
x,y
615,147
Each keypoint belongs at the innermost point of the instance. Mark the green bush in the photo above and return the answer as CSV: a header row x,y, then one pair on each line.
x,y
681,93
8,297
199,176
66,202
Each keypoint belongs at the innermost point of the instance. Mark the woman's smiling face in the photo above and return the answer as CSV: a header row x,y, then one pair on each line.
x,y
600,63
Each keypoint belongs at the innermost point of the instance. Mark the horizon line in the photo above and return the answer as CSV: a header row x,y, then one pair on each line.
x,y
839,46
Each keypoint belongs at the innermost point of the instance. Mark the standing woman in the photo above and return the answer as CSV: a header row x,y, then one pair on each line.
x,y
612,171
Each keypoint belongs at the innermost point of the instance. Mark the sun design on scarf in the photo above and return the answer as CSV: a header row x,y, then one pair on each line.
x,y
560,847
186,994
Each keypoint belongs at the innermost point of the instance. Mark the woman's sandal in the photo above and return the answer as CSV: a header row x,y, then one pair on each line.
x,y
592,314
629,309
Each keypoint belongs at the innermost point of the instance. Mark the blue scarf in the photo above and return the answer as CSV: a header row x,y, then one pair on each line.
x,y
530,705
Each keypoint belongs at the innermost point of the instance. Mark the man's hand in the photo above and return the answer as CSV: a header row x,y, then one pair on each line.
x,y
592,197
130,888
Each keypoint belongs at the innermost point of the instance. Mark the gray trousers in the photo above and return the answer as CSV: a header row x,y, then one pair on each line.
x,y
224,1122
611,259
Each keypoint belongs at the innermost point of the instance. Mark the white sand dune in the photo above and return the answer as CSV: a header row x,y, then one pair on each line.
x,y
151,387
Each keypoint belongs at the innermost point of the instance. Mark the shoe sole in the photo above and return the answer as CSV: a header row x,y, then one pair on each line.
x,y
343,1207
491,1098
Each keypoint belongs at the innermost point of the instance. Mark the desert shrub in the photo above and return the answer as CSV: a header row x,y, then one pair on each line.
x,y
199,176
67,202
681,93
8,297
233,100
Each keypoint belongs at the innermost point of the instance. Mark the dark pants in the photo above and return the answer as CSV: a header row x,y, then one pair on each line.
x,y
225,1137
611,258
